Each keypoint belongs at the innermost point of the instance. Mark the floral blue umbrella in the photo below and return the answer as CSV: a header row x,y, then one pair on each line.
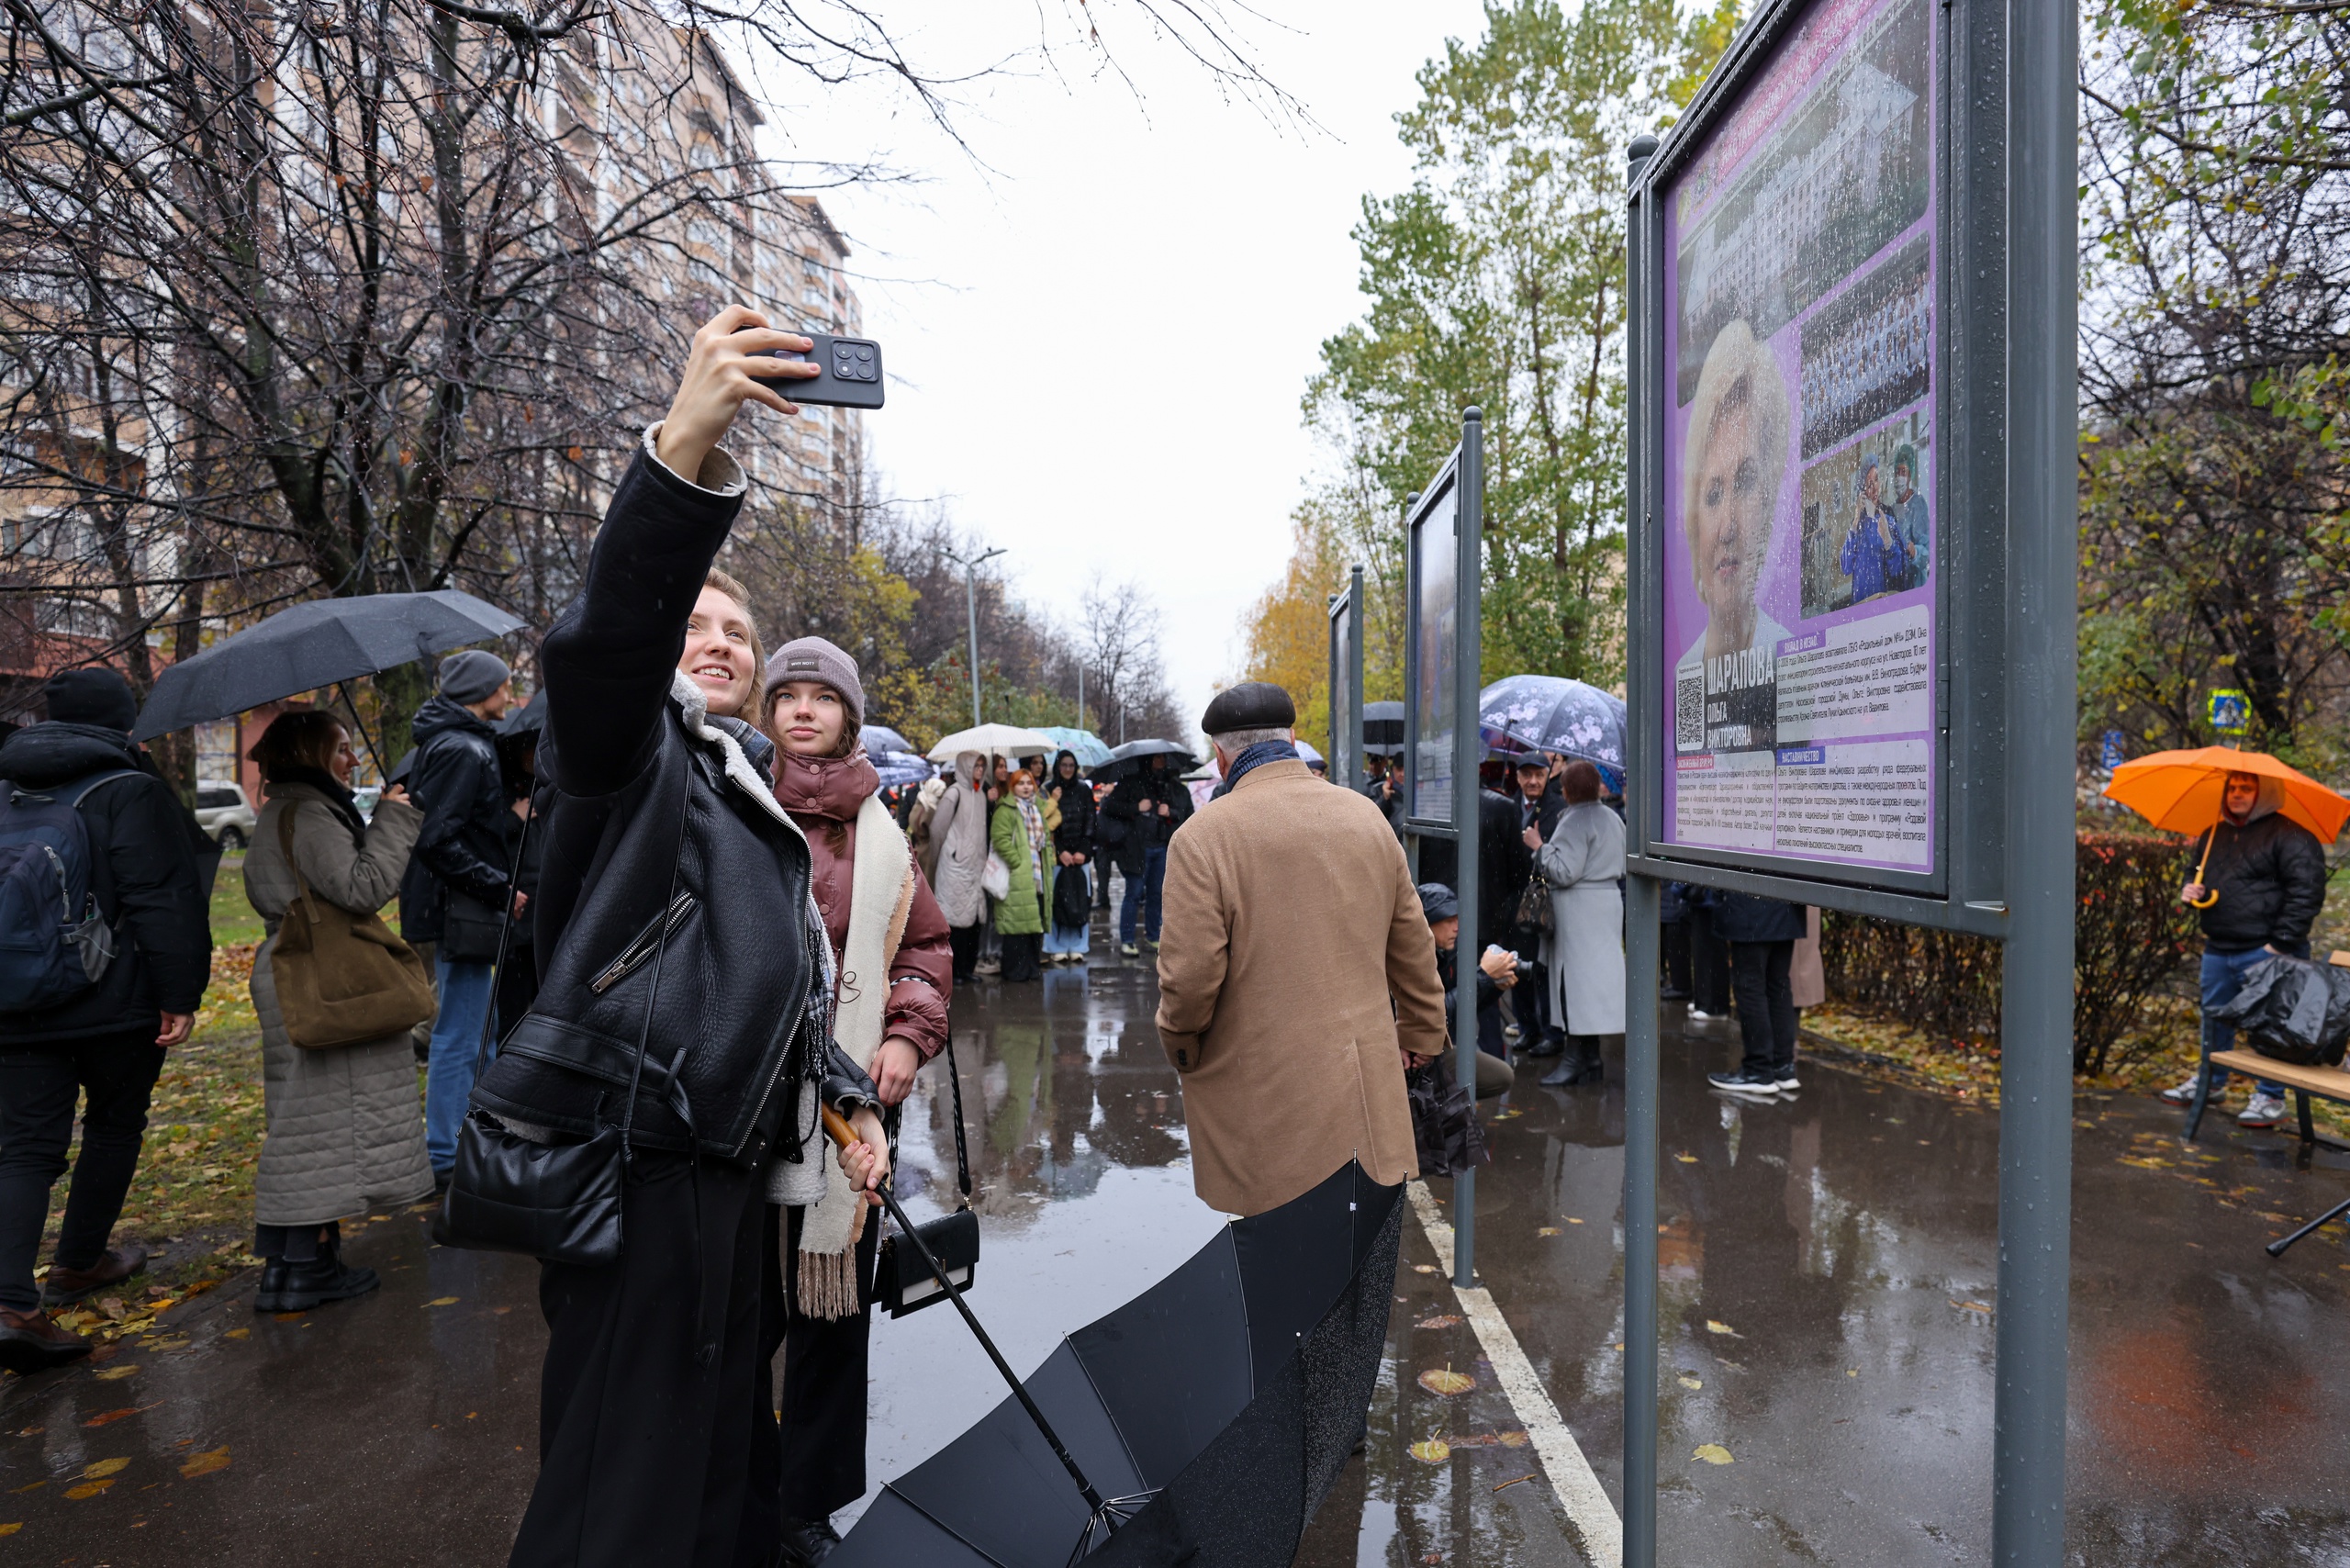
x,y
1548,713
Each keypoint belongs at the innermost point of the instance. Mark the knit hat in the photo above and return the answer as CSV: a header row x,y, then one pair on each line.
x,y
99,697
473,675
812,658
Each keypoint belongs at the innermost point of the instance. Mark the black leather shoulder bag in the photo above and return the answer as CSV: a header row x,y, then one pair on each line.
x,y
557,1202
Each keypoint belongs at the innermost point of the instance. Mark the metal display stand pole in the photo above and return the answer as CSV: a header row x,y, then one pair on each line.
x,y
1643,939
2036,999
1467,750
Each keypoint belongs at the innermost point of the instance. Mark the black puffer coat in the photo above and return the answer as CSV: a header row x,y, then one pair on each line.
x,y
1075,835
651,794
2270,875
457,783
144,872
1750,917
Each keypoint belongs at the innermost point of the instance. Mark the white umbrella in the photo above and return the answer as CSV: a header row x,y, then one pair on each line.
x,y
1008,741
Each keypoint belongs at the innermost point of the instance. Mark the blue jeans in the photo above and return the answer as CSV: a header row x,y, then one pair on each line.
x,y
456,1040
1060,938
1142,896
2222,978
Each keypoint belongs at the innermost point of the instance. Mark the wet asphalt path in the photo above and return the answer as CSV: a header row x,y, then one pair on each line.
x,y
1828,1267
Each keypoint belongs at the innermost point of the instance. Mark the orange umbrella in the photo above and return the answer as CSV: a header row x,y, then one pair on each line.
x,y
2180,791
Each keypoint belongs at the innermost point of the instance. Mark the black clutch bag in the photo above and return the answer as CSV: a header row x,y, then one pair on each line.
x,y
903,1283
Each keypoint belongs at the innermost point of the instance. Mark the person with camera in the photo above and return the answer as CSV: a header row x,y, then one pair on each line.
x,y
454,893
81,806
880,919
684,1004
341,1133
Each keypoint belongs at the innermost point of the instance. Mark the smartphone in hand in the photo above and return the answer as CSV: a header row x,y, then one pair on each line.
x,y
851,374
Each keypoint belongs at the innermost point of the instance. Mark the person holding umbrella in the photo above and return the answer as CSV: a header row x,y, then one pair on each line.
x,y
2257,888
684,1015
1149,803
881,920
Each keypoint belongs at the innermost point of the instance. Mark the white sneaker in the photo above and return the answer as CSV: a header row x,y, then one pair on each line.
x,y
2264,1110
2182,1094
1698,1016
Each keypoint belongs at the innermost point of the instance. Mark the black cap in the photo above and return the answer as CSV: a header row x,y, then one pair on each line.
x,y
1251,705
1438,901
99,697
1527,759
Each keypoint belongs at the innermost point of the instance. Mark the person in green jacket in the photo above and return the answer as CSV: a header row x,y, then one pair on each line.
x,y
1023,841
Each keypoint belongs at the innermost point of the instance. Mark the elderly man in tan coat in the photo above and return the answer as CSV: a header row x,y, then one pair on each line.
x,y
1290,922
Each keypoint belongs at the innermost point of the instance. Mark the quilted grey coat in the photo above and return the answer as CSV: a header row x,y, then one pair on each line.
x,y
345,1126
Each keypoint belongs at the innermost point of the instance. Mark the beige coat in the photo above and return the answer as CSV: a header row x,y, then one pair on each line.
x,y
345,1127
1290,922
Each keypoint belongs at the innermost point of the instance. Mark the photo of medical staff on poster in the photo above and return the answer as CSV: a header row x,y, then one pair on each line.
x,y
1799,525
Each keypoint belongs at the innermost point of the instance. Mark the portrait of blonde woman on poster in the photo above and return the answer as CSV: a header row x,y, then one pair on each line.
x,y
1733,460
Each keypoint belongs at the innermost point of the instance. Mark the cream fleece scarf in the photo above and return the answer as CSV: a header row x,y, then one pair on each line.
x,y
881,897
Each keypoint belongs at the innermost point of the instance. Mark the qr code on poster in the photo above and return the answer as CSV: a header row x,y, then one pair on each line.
x,y
1689,713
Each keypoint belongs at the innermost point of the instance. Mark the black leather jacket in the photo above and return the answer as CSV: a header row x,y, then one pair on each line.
x,y
657,808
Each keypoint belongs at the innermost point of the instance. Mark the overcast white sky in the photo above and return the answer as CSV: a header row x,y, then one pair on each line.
x,y
1097,341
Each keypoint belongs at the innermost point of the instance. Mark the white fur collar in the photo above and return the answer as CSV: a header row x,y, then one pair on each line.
x,y
739,771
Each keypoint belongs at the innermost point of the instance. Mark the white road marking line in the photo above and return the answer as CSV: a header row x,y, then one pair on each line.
x,y
1570,1474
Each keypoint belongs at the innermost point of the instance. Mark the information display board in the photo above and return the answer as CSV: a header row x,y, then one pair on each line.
x,y
1434,588
1799,530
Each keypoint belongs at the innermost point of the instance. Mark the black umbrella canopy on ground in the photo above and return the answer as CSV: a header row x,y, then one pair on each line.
x,y
1221,1404
312,645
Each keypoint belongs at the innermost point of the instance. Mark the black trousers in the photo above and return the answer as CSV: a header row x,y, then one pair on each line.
x,y
38,1086
824,1362
963,941
1676,956
1023,956
656,1436
1766,1003
1709,965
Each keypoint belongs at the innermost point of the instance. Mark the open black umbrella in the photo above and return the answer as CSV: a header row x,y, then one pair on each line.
x,y
1213,1412
1382,727
1125,759
318,644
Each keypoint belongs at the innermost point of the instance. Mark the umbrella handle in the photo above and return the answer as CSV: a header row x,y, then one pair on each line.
x,y
2209,897
836,1127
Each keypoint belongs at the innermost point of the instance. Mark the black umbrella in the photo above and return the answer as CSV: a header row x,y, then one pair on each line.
x,y
308,646
1382,727
1125,759
1214,1411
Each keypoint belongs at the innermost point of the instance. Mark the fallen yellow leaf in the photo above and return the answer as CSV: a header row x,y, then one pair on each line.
x,y
1424,1268
237,1334
1513,1439
1712,1453
1715,1326
204,1464
1972,1307
1687,1382
98,1467
1446,1382
11,1529
1687,1159
87,1489
1548,1230
1436,1450
442,1301
1572,1220
118,1371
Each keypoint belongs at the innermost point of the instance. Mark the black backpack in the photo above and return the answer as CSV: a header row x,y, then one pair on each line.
x,y
54,942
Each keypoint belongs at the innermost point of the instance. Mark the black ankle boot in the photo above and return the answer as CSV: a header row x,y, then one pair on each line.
x,y
807,1542
323,1279
271,1297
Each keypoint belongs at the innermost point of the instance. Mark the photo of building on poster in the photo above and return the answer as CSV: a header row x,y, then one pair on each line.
x,y
1799,535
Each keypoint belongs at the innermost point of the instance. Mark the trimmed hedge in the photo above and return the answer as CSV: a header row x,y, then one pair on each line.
x,y
2131,936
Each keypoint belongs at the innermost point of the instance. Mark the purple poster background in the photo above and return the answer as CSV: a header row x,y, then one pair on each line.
x,y
1800,643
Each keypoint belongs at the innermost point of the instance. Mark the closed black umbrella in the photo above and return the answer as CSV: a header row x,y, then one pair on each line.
x,y
308,646
1214,1410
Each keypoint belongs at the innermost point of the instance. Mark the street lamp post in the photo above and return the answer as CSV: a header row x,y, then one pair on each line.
x,y
971,612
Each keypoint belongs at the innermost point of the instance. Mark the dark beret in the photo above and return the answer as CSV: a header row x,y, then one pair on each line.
x,y
1251,705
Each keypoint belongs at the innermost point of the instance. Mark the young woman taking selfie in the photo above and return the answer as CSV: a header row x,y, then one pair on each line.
x,y
686,999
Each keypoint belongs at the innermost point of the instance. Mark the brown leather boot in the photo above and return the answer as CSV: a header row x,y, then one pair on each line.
x,y
118,1264
29,1342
